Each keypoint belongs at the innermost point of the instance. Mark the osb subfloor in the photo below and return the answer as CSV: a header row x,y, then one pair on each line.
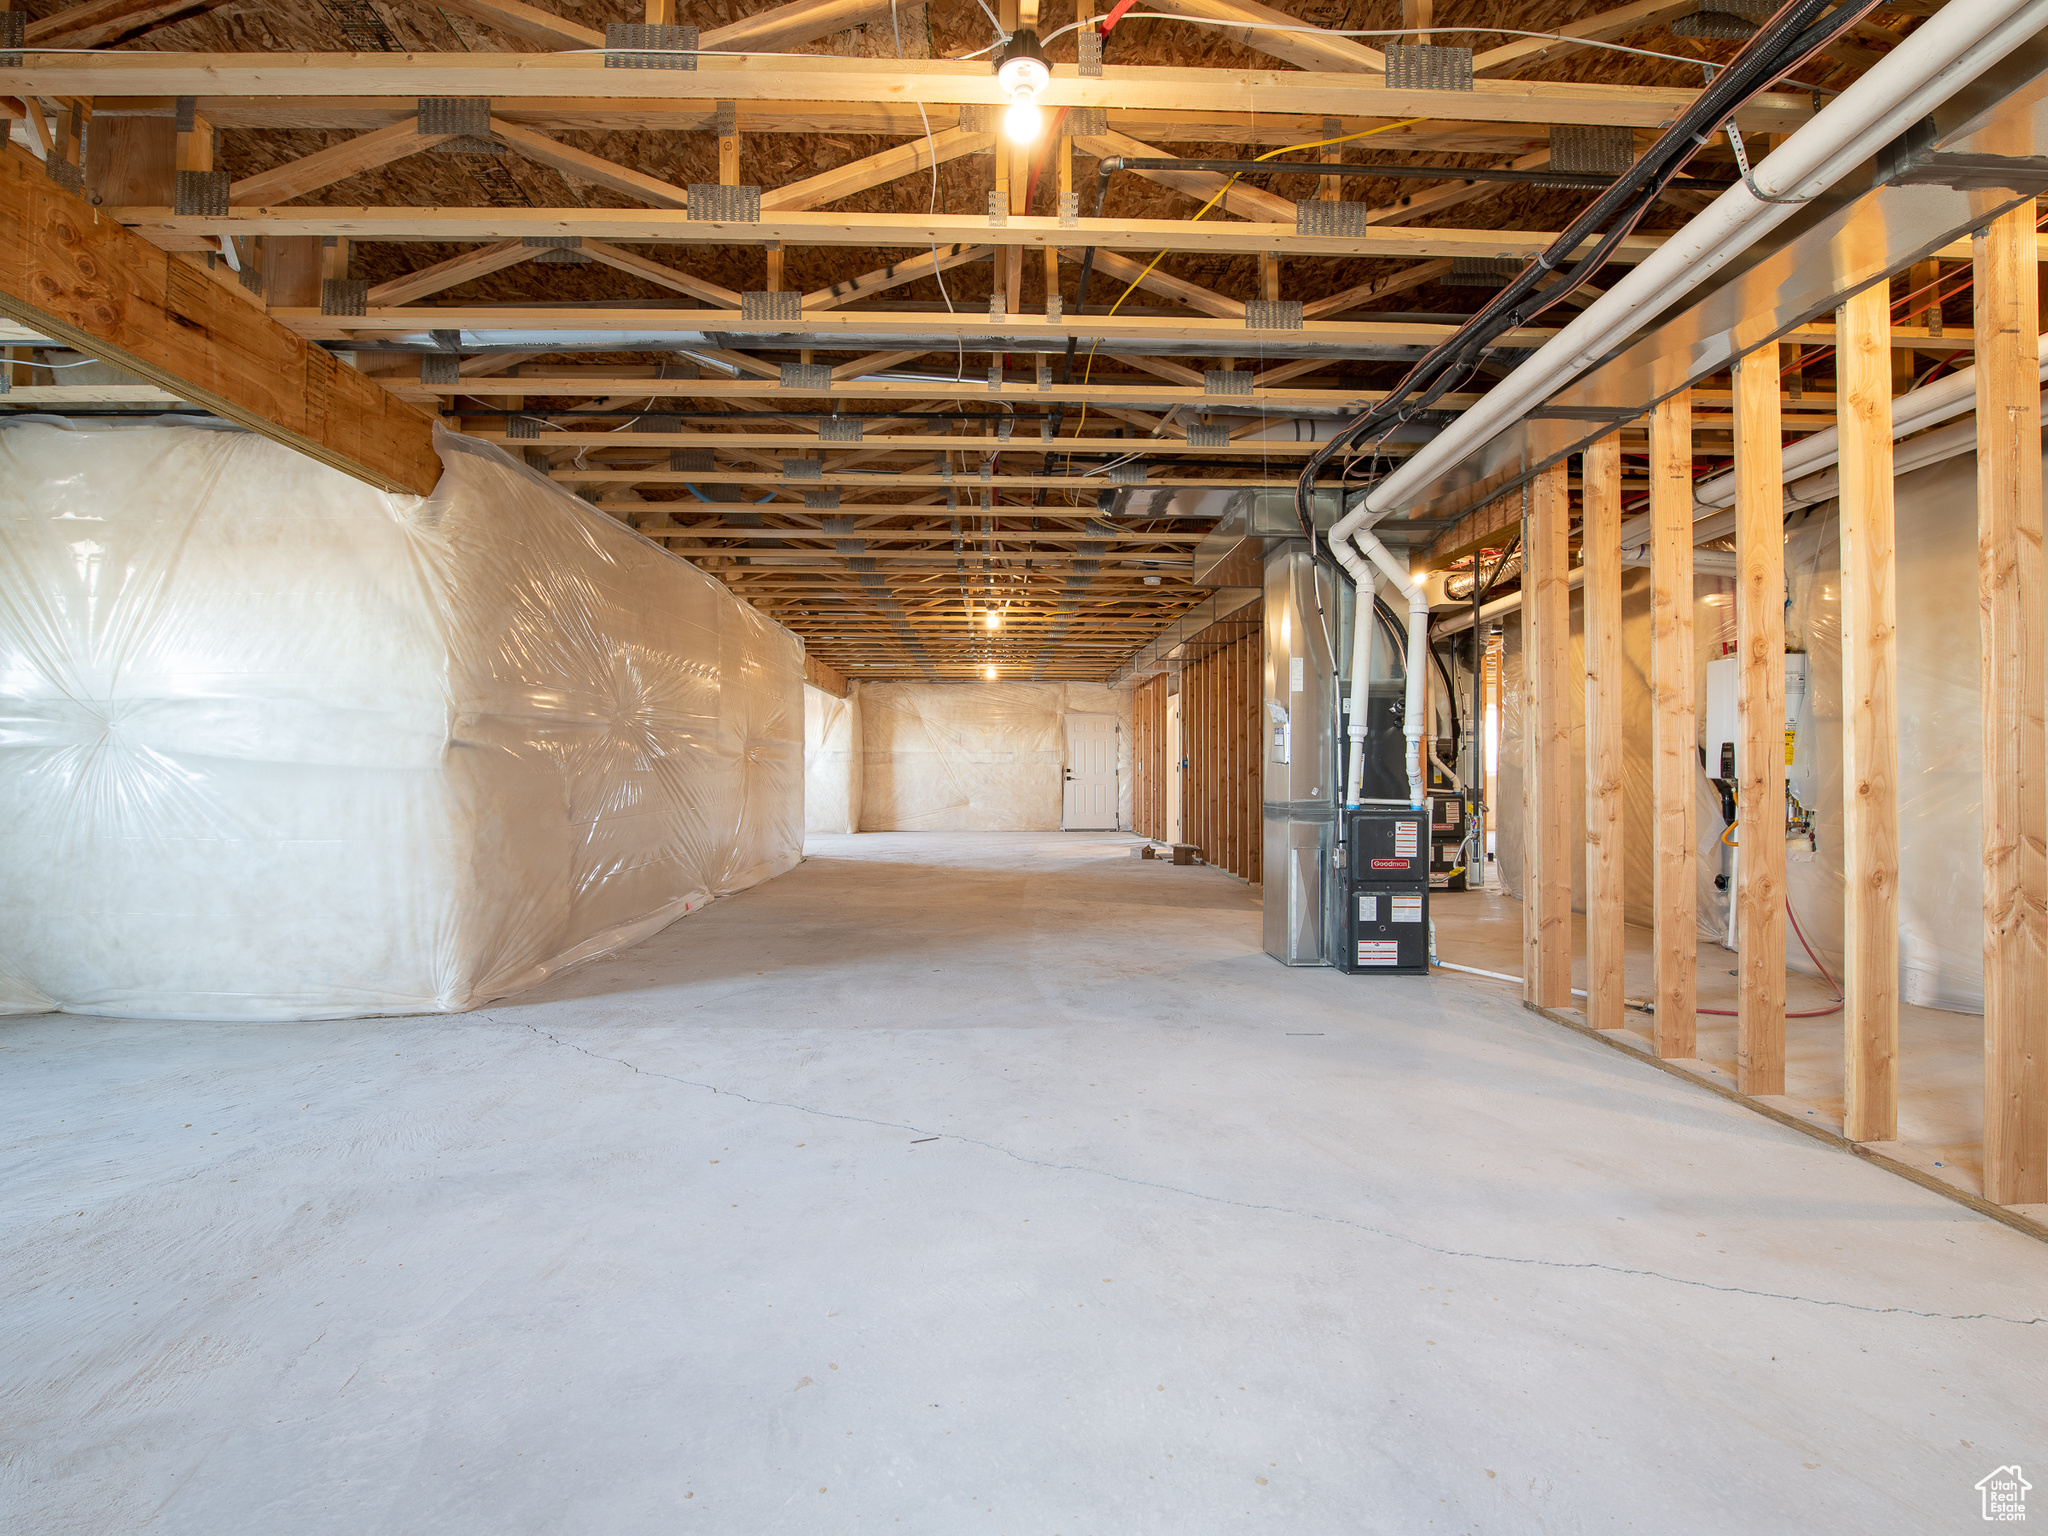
x,y
972,1183
1941,1055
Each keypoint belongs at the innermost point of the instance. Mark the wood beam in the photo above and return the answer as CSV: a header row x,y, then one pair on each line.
x,y
1378,288
1179,373
944,259
1674,743
588,167
1760,727
799,21
1870,748
661,274
529,23
1546,668
918,155
1600,540
824,228
1240,198
928,394
1134,274
325,167
104,23
86,282
2009,575
441,275
822,77
821,675
1522,53
1308,50
1121,331
1439,196
874,362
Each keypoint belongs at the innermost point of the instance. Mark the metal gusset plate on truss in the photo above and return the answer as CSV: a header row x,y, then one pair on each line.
x,y
1343,220
635,45
725,205
1227,381
199,194
557,250
1272,315
1426,67
758,306
344,296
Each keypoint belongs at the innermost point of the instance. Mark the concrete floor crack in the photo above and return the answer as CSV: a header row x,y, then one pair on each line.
x,y
1285,1210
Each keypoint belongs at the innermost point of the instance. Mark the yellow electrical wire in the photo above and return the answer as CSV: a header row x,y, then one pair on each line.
x,y
1221,192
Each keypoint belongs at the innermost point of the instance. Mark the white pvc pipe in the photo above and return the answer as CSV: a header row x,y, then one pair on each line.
x,y
1365,621
1418,653
1949,50
1954,395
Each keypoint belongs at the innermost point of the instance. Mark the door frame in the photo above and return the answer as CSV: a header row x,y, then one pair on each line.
x,y
1116,777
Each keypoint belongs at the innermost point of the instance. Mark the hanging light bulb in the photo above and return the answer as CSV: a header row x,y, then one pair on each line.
x,y
989,672
1021,75
1021,122
995,619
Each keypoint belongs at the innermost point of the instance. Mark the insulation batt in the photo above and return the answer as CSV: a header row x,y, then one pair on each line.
x,y
276,745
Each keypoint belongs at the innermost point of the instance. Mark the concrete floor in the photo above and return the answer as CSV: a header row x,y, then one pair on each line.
x,y
1941,1054
972,1184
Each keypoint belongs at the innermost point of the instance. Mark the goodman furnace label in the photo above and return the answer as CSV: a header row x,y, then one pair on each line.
x,y
1404,838
1378,952
1407,909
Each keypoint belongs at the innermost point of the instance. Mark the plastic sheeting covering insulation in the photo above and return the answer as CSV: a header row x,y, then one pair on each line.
x,y
1940,740
276,745
1636,828
977,757
832,761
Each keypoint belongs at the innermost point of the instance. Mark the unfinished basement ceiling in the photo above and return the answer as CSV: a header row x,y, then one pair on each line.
x,y
622,368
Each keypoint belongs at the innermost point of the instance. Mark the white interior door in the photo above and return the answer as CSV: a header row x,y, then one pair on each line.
x,y
1173,769
1091,774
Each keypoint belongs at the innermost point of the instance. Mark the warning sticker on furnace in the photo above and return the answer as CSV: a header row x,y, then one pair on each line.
x,y
1369,909
1407,909
1404,838
1378,952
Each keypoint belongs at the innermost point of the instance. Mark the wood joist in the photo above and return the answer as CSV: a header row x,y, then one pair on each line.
x,y
800,78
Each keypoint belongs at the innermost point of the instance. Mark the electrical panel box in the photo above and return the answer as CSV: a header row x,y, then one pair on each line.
x,y
1383,924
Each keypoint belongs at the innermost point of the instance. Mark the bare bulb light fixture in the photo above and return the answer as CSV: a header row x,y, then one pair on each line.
x,y
1021,75
989,673
994,620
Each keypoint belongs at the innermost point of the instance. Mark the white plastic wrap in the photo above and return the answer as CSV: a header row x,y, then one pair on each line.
x,y
1941,749
832,761
977,757
1636,830
275,745
1940,742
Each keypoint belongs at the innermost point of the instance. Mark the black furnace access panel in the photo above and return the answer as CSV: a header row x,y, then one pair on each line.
x,y
1385,927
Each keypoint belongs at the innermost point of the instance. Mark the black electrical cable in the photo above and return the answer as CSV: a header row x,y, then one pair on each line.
x,y
1780,46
